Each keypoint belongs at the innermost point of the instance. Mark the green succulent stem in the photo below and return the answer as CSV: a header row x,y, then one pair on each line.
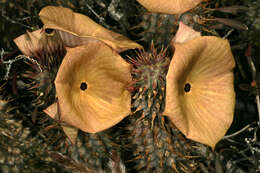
x,y
158,145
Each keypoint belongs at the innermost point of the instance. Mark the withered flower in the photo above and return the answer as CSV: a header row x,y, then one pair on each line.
x,y
72,29
91,83
77,29
36,42
91,88
169,6
200,96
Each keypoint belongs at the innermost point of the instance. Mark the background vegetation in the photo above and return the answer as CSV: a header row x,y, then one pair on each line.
x,y
24,126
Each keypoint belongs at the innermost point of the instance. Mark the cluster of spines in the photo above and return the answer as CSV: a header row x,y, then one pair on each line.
x,y
43,71
158,27
92,152
157,146
20,150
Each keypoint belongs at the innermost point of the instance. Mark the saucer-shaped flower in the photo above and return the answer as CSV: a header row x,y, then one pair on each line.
x,y
200,96
91,86
169,6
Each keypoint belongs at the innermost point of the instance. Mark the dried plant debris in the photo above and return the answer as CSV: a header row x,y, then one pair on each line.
x,y
146,136
21,151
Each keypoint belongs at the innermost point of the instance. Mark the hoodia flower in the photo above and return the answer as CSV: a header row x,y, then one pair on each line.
x,y
77,29
91,87
169,6
64,27
200,96
91,82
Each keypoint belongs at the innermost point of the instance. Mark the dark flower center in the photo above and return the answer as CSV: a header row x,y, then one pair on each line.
x,y
187,87
49,31
83,86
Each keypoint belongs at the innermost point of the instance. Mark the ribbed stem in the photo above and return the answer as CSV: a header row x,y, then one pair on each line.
x,y
156,144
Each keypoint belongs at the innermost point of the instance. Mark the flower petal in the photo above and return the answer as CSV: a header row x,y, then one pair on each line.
x,y
184,34
200,96
169,6
71,132
32,43
52,111
64,19
91,87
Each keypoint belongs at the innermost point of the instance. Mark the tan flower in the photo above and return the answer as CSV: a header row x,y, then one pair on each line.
x,y
169,6
38,42
92,79
63,27
200,96
76,29
91,87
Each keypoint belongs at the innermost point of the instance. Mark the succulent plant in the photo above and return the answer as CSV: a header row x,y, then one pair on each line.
x,y
48,54
165,100
165,103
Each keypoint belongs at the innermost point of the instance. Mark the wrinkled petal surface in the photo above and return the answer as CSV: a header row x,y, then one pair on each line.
x,y
34,42
103,100
77,25
204,111
169,6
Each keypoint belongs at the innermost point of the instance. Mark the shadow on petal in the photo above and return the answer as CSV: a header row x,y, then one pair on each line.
x,y
38,42
82,28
